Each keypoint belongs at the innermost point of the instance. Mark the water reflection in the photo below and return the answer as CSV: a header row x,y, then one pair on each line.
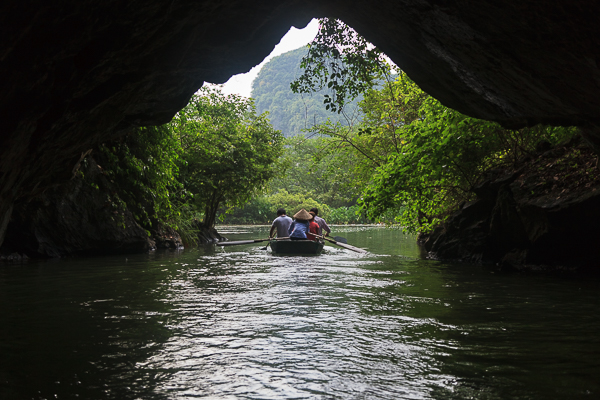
x,y
239,323
288,327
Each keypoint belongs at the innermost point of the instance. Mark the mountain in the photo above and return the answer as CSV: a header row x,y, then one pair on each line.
x,y
290,112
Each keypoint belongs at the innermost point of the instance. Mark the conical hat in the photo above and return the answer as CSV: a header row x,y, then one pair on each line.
x,y
302,214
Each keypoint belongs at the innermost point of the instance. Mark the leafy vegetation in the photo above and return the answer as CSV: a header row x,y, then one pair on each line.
x,y
305,180
342,61
144,166
437,154
400,157
228,152
215,154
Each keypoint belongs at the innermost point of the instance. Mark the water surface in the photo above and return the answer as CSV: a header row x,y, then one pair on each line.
x,y
240,323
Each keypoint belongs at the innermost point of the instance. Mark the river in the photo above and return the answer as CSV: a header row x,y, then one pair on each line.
x,y
239,323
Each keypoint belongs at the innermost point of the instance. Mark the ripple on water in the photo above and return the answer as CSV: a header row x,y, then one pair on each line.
x,y
240,323
257,326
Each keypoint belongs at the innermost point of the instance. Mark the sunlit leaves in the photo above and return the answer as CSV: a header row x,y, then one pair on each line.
x,y
229,151
440,154
418,158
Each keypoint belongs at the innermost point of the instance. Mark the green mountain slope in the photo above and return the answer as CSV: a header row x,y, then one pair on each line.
x,y
290,112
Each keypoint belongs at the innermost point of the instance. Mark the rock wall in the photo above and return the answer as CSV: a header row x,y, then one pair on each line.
x,y
524,219
79,217
85,216
74,74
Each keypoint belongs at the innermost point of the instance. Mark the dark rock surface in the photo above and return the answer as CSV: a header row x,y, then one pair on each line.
x,y
74,74
85,217
524,220
78,217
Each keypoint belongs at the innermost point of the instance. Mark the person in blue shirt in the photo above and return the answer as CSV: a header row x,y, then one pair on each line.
x,y
300,226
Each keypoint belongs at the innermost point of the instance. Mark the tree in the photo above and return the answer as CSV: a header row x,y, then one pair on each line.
x,y
228,152
309,172
343,61
410,153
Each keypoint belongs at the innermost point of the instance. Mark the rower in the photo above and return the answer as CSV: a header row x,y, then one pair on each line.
x,y
321,222
281,224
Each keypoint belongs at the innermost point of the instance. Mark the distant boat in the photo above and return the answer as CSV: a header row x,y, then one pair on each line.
x,y
296,247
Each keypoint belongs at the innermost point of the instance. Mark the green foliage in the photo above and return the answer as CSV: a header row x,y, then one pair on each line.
x,y
435,154
347,215
410,155
143,164
228,152
257,211
291,112
295,202
307,178
308,171
342,61
263,209
216,153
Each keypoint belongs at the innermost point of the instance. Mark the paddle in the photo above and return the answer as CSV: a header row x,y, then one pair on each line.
x,y
344,245
241,242
249,241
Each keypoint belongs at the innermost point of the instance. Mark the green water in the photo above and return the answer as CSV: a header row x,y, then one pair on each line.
x,y
240,323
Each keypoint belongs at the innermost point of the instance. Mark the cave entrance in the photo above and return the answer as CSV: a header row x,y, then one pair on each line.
x,y
295,38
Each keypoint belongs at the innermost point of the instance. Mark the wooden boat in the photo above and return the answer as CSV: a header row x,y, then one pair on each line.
x,y
296,247
286,246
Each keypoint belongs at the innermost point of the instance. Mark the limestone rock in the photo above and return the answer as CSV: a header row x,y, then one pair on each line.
x,y
75,218
76,74
521,223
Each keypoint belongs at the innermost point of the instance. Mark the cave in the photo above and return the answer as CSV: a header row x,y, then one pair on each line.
x,y
77,74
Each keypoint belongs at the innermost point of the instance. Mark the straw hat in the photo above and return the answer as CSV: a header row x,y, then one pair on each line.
x,y
302,214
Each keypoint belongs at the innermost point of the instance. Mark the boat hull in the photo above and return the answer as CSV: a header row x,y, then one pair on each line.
x,y
298,247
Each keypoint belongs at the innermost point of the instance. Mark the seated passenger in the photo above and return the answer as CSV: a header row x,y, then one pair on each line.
x,y
300,226
313,227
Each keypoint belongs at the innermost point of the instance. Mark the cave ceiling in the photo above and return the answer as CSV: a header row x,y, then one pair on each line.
x,y
76,73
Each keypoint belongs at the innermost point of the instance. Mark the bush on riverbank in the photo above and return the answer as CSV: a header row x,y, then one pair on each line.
x,y
262,210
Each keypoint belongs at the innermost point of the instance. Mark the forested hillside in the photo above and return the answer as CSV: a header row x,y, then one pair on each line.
x,y
291,112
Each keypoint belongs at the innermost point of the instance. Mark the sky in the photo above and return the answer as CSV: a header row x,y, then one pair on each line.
x,y
242,83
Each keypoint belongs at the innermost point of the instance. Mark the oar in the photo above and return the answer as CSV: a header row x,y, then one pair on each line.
x,y
344,245
249,241
241,242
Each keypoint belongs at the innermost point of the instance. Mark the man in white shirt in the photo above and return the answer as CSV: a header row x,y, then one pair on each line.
x,y
281,224
321,222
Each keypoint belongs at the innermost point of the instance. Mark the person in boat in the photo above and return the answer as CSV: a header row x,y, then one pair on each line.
x,y
313,227
321,222
281,224
300,227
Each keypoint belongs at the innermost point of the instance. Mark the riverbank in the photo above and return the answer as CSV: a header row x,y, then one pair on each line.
x,y
542,214
86,217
